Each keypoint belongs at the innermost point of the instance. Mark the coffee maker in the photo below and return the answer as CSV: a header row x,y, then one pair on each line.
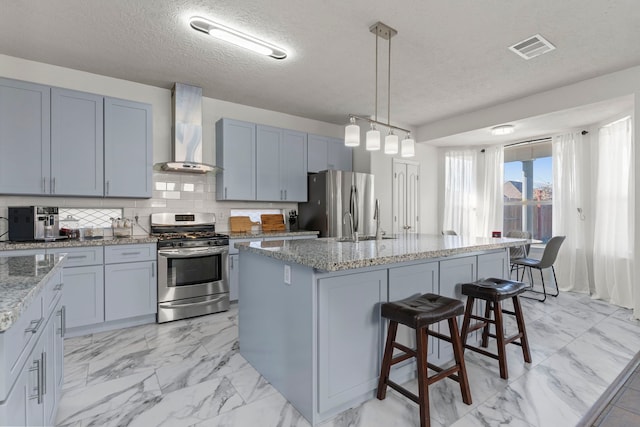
x,y
29,223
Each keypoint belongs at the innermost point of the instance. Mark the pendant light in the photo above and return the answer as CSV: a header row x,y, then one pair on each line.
x,y
352,134
372,142
408,147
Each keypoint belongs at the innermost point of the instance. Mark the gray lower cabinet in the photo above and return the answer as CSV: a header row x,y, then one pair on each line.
x,y
77,143
36,356
328,153
83,294
130,284
349,336
236,154
128,149
25,138
408,281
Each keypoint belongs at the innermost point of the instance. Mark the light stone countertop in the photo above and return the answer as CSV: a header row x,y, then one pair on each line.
x,y
106,241
21,279
327,254
262,234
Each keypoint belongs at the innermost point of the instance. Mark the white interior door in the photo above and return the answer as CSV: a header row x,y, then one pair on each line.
x,y
406,196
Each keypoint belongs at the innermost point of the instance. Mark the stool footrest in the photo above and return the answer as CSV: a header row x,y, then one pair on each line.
x,y
403,391
509,340
481,351
404,348
438,335
442,373
401,358
513,313
475,327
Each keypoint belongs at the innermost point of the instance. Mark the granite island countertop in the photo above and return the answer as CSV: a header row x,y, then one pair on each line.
x,y
21,278
267,234
328,254
106,241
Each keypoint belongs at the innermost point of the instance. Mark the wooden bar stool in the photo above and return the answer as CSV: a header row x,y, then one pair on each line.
x,y
419,312
493,291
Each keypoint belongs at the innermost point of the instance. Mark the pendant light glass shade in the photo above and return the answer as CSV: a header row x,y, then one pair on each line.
x,y
373,139
408,148
391,143
352,134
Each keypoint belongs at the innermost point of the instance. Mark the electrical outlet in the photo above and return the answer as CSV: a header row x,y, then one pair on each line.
x,y
287,274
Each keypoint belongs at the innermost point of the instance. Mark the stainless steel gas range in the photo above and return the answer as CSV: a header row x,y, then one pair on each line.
x,y
192,265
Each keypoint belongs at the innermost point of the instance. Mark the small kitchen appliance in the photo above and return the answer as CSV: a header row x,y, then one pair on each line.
x,y
33,223
193,265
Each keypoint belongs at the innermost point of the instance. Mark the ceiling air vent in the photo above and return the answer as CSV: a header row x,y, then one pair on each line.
x,y
532,47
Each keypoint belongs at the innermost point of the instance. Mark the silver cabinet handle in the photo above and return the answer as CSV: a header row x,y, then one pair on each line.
x,y
153,269
34,326
58,287
63,320
280,194
231,261
76,257
131,253
285,194
106,191
44,372
38,390
53,186
225,192
44,184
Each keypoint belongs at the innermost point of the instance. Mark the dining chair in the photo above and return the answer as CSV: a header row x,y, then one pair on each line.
x,y
449,233
548,259
518,252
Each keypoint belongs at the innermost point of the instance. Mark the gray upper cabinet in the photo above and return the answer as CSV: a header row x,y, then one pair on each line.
x,y
328,153
293,162
128,150
77,143
236,154
281,164
25,141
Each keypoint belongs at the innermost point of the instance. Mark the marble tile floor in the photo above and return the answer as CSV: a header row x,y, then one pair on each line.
x,y
190,373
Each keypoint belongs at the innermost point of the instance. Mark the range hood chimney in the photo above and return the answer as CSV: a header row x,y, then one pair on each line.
x,y
186,141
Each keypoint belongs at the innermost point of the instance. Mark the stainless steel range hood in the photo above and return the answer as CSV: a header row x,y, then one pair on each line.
x,y
186,141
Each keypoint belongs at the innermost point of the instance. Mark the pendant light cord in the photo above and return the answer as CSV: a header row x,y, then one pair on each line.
x,y
376,91
389,87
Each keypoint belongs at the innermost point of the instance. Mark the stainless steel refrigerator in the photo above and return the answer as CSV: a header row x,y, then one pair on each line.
x,y
331,194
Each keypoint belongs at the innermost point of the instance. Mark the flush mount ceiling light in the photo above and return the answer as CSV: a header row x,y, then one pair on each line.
x,y
236,37
502,130
352,131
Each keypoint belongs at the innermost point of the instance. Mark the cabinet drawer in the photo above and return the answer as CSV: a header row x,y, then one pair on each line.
x,y
19,340
80,257
129,253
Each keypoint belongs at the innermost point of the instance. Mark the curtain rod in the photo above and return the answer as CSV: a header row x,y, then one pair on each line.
x,y
528,142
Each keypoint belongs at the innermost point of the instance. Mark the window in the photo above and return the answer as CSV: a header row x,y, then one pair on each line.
x,y
528,189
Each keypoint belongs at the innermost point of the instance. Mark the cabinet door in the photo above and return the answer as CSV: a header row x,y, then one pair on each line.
x,y
13,412
83,295
349,336
60,326
269,185
236,154
25,142
35,385
339,157
50,391
293,165
317,152
234,277
130,290
493,265
76,143
408,281
128,148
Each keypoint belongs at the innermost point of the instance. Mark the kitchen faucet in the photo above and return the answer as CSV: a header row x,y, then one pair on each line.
x,y
376,216
353,233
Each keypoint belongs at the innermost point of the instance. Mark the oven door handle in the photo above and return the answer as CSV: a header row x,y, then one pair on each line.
x,y
191,304
192,254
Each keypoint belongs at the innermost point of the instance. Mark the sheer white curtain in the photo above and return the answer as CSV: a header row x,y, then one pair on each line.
x,y
571,200
491,209
613,247
460,192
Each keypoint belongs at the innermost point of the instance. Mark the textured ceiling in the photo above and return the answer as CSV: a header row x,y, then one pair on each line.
x,y
449,57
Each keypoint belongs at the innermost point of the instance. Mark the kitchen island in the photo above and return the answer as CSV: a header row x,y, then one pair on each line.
x,y
309,310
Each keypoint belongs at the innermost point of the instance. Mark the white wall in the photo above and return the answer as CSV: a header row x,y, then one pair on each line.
x,y
160,99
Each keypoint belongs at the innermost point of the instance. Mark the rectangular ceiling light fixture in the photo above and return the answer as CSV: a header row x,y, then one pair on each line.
x,y
532,47
237,38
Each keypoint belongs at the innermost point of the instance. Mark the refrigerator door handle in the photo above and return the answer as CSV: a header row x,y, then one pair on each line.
x,y
356,212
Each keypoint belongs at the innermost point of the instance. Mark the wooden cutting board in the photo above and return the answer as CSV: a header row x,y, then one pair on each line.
x,y
272,222
241,224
